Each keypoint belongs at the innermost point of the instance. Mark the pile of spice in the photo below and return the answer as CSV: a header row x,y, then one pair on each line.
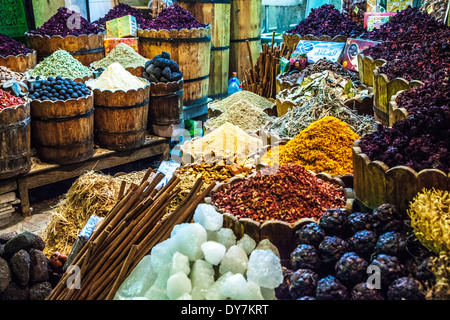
x,y
121,10
8,100
419,141
66,22
227,137
7,74
115,77
240,96
317,98
324,146
173,17
123,54
430,218
242,114
61,63
327,20
11,47
287,192
318,67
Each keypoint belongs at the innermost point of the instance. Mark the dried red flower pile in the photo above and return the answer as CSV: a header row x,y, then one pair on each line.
x,y
66,22
121,10
8,100
327,20
11,47
173,17
287,192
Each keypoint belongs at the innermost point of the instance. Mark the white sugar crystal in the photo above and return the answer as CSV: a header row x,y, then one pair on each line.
x,y
161,278
208,217
156,293
161,254
202,278
247,243
268,294
214,292
233,286
139,280
185,296
177,285
213,251
177,228
188,240
253,292
264,268
180,262
235,260
226,237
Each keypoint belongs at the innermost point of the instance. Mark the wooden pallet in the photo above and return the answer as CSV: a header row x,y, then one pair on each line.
x,y
42,174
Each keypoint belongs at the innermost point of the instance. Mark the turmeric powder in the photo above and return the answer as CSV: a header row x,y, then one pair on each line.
x,y
324,146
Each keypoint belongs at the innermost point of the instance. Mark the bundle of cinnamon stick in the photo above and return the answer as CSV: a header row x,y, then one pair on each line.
x,y
129,231
261,78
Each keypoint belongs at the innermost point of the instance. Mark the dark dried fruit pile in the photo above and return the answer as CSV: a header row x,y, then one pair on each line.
x,y
351,246
173,17
66,22
162,69
420,141
11,47
121,10
328,21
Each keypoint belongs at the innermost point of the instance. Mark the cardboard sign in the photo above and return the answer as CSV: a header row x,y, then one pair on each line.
x,y
375,20
394,6
125,26
352,48
316,50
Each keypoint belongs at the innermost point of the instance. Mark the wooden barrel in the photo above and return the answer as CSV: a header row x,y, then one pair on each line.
x,y
217,14
121,117
191,49
84,48
63,131
165,108
245,24
19,63
15,137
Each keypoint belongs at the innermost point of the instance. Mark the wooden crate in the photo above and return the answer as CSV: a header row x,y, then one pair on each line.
x,y
375,183
366,66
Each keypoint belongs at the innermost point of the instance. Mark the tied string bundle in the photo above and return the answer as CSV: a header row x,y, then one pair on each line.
x,y
129,231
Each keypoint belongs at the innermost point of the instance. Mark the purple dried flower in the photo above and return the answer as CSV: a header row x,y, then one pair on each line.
x,y
173,17
11,47
121,10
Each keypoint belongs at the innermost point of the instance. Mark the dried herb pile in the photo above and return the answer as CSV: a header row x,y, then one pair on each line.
x,y
327,20
322,96
286,192
123,54
324,146
66,22
173,17
61,63
11,47
430,218
419,141
121,10
242,114
415,45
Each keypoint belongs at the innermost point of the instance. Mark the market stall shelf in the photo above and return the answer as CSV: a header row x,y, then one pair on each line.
x,y
216,14
190,49
375,183
15,136
42,174
366,66
19,63
85,48
383,90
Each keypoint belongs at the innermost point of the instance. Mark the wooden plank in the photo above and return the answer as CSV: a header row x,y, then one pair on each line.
x,y
24,199
7,197
47,175
8,185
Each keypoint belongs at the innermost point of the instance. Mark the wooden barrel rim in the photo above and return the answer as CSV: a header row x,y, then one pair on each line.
x,y
174,33
19,55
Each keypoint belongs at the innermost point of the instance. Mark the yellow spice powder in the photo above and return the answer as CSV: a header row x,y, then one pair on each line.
x,y
324,146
